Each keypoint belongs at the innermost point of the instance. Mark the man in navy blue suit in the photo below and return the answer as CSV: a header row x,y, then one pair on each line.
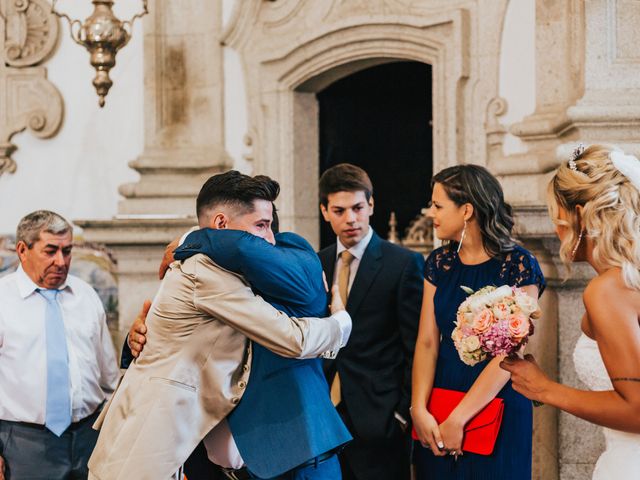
x,y
285,421
381,284
285,425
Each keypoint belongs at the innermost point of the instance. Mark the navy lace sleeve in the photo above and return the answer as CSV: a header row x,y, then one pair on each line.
x,y
437,262
521,268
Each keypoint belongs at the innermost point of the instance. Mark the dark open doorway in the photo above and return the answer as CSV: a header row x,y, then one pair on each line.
x,y
380,120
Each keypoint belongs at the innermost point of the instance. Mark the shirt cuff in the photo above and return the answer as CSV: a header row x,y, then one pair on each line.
x,y
401,419
344,321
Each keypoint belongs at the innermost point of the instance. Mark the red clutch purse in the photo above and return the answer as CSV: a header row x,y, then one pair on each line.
x,y
481,432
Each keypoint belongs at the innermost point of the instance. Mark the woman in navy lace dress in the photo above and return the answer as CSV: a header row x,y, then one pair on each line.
x,y
470,216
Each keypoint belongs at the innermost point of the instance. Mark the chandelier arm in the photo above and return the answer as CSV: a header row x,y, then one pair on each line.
x,y
129,23
74,36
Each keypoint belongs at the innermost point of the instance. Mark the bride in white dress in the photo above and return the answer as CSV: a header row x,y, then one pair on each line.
x,y
594,200
621,459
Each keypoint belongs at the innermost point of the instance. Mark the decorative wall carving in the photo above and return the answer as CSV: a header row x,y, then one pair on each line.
x,y
27,99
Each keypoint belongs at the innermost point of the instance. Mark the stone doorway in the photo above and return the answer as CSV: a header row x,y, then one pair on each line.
x,y
379,118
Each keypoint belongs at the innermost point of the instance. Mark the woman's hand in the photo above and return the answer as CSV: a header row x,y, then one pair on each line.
x,y
527,377
452,432
428,431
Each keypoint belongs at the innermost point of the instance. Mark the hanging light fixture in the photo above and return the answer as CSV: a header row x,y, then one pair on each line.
x,y
102,34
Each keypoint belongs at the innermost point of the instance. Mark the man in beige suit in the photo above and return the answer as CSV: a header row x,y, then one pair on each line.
x,y
197,355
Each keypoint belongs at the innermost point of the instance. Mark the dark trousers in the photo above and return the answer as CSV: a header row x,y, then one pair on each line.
x,y
380,459
31,452
328,469
199,467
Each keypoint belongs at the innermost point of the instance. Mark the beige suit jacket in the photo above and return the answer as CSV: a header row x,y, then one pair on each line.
x,y
194,368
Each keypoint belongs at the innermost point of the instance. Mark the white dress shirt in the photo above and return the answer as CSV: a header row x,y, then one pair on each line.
x,y
357,251
93,369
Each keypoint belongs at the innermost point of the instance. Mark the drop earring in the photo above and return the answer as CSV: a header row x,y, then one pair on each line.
x,y
575,247
464,230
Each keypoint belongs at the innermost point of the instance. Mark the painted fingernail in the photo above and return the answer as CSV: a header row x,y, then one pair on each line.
x,y
440,445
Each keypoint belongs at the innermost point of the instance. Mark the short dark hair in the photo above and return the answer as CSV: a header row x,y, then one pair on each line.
x,y
344,177
236,190
474,184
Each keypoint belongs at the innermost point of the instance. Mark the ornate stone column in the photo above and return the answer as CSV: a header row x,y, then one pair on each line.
x,y
535,230
559,72
609,111
560,451
184,136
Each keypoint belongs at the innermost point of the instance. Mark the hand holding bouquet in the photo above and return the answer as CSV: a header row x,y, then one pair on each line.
x,y
493,321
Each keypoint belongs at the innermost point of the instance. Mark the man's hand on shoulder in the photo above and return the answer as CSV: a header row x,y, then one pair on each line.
x,y
339,314
337,304
137,333
167,259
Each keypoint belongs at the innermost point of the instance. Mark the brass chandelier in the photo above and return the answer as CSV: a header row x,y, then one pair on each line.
x,y
102,34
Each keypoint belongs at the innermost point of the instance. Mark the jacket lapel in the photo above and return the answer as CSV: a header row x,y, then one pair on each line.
x,y
367,271
328,261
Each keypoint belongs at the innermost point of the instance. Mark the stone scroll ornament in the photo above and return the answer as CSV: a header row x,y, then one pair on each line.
x,y
27,99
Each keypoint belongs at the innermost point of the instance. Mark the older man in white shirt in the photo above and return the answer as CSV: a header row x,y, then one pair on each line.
x,y
57,362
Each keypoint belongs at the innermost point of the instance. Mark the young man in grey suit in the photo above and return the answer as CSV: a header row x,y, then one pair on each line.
x,y
382,283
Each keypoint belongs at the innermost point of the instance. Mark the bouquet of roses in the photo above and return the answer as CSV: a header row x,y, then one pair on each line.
x,y
493,321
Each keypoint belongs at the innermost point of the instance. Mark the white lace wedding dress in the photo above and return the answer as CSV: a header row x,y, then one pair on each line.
x,y
621,458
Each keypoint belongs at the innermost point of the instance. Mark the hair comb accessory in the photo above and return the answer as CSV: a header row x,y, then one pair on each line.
x,y
579,150
627,165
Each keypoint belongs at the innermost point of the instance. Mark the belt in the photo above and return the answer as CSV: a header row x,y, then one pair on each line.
x,y
244,473
72,426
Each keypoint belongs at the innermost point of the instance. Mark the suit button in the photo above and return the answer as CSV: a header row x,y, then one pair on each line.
x,y
235,400
242,384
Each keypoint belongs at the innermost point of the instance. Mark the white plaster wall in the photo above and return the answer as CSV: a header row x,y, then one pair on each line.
x,y
517,67
77,172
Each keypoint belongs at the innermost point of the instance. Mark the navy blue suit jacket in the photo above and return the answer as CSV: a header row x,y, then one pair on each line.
x,y
375,367
285,416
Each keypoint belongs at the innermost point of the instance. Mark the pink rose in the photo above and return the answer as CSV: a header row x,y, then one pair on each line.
x,y
518,326
483,320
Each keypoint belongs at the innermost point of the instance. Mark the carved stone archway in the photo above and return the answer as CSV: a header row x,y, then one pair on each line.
x,y
284,77
292,49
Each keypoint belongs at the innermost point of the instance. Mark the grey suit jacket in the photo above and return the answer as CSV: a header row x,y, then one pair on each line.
x,y
194,368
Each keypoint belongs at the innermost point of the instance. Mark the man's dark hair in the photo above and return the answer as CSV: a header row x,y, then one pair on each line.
x,y
235,190
344,177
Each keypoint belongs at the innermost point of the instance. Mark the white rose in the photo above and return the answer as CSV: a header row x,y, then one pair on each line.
x,y
527,304
471,343
498,294
478,303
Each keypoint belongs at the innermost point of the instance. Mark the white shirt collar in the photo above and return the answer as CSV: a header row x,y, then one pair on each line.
x,y
358,249
26,286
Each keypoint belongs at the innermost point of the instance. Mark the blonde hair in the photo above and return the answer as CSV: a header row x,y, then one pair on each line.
x,y
610,214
